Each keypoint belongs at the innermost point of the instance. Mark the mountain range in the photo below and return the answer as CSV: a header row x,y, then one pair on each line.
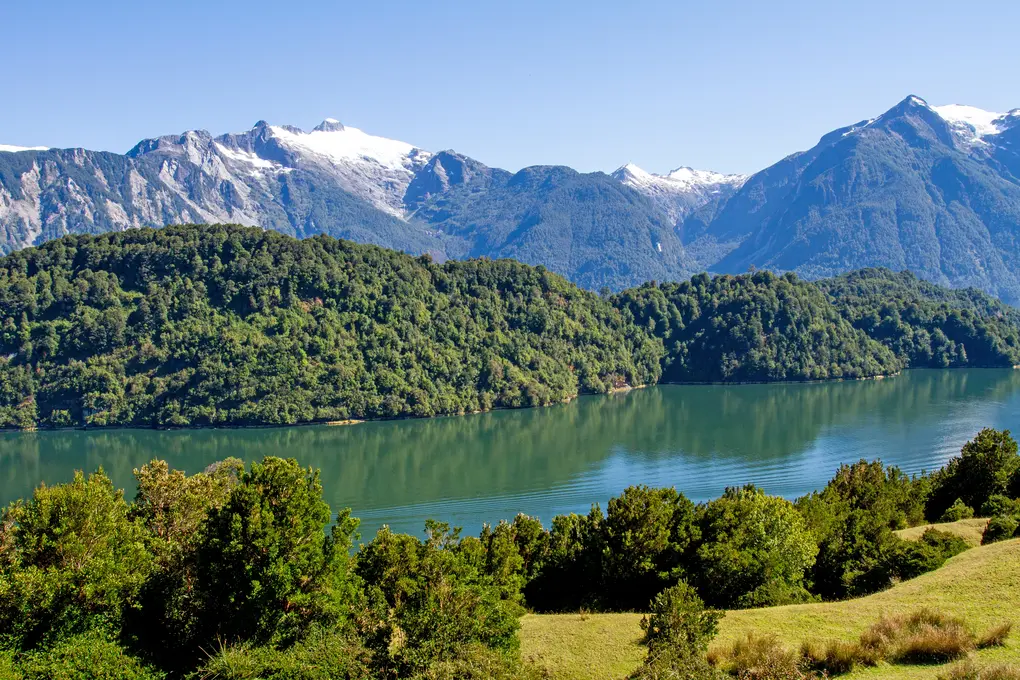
x,y
935,190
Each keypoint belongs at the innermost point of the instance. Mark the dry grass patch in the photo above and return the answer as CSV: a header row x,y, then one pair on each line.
x,y
925,636
763,657
995,636
969,670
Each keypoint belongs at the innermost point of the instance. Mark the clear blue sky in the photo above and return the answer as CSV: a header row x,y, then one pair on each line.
x,y
731,85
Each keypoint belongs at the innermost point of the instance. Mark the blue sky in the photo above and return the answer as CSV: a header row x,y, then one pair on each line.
x,y
730,85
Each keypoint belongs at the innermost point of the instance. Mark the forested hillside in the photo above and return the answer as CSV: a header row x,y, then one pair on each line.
x,y
216,325
925,324
752,328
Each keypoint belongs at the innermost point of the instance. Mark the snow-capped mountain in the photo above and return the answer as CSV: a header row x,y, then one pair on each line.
x,y
375,169
935,190
932,189
682,191
334,179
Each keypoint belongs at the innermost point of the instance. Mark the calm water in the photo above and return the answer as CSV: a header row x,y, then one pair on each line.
x,y
786,438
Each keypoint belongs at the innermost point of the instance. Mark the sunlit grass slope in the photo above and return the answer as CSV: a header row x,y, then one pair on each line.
x,y
980,585
968,529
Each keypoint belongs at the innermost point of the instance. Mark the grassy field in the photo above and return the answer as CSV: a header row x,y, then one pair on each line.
x,y
981,585
969,529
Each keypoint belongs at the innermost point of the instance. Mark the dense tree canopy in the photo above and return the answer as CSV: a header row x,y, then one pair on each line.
x,y
214,325
758,327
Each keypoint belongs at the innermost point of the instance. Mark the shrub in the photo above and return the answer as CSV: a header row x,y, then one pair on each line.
x,y
752,545
995,636
264,566
1000,504
8,671
432,599
646,533
999,529
679,618
76,561
957,511
947,543
913,558
854,518
91,656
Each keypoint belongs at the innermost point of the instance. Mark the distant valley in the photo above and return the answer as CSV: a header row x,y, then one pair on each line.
x,y
935,190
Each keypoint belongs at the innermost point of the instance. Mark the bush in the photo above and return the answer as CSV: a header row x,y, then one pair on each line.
x,y
1000,504
854,518
913,558
752,545
646,533
674,663
678,618
957,511
265,569
75,562
8,671
999,529
91,656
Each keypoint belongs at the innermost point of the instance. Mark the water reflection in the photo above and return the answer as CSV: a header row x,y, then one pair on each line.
x,y
788,438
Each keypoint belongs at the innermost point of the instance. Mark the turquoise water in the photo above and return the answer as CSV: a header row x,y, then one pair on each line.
x,y
787,438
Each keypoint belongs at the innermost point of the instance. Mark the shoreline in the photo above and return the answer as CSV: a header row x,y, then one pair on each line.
x,y
614,391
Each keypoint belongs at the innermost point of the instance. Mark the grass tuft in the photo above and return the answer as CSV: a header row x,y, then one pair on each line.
x,y
764,658
969,670
995,636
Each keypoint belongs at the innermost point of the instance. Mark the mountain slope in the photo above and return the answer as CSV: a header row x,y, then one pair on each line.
x,y
588,227
278,178
346,183
907,190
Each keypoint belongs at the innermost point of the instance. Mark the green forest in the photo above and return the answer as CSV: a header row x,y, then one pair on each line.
x,y
226,325
244,573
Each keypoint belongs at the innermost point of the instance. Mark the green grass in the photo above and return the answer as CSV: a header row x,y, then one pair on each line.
x,y
981,585
968,529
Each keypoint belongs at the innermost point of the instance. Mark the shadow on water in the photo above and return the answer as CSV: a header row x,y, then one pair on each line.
x,y
787,438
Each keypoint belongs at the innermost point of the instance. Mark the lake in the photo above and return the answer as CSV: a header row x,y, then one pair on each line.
x,y
786,438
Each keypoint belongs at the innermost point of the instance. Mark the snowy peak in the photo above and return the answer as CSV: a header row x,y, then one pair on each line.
x,y
375,169
329,125
337,143
681,191
9,148
974,124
